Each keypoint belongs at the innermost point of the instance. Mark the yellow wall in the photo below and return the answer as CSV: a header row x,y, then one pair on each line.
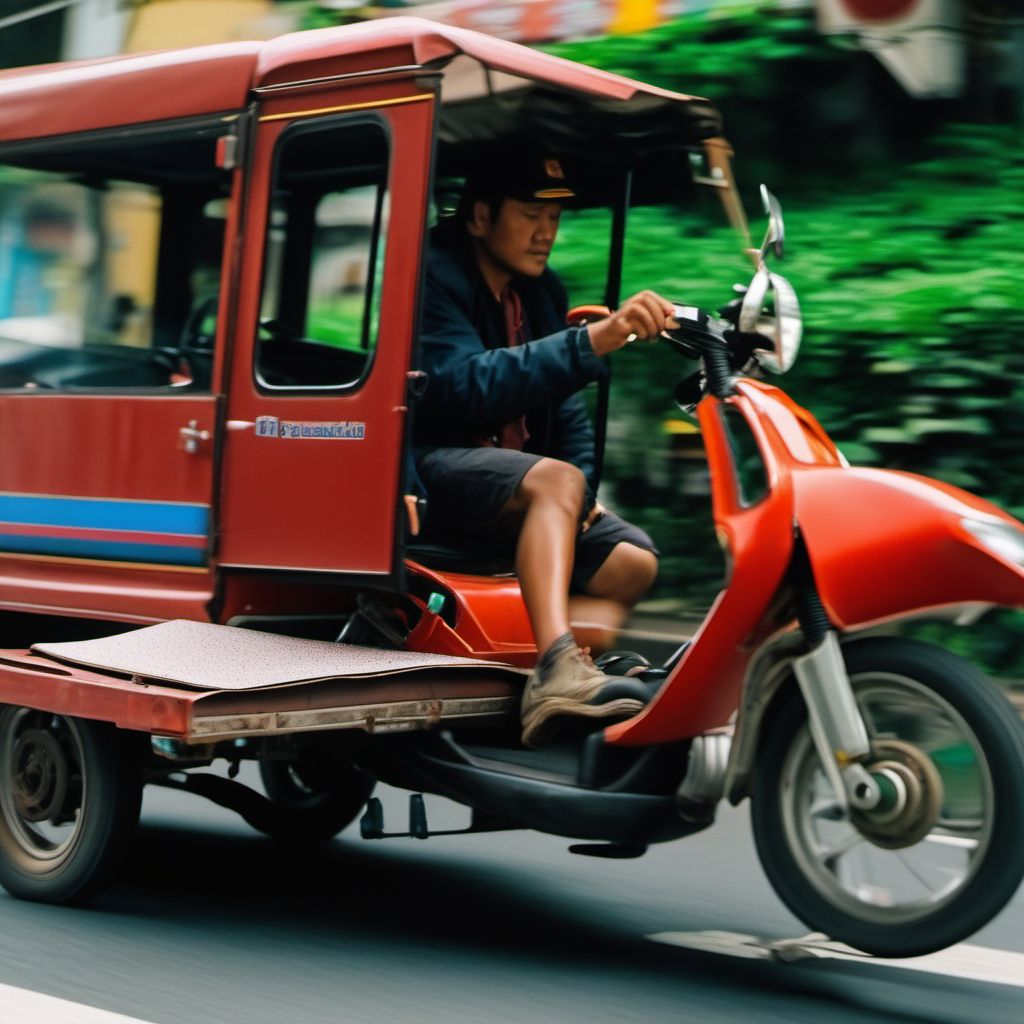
x,y
168,24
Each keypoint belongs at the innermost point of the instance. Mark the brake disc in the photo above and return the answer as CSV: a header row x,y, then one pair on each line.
x,y
919,794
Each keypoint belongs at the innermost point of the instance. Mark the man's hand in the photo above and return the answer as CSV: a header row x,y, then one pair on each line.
x,y
644,315
595,513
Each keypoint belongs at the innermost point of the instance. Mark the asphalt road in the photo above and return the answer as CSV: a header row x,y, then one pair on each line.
x,y
213,923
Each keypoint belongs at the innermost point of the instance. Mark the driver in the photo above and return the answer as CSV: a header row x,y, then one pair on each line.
x,y
504,443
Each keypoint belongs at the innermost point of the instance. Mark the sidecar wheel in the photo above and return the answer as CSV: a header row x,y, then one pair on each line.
x,y
70,793
317,794
947,856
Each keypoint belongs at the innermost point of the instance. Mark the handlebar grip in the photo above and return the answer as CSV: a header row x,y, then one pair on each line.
x,y
586,314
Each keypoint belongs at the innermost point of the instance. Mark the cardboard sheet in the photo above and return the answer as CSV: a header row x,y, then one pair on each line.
x,y
206,656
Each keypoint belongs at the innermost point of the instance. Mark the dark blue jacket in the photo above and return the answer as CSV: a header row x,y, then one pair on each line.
x,y
477,384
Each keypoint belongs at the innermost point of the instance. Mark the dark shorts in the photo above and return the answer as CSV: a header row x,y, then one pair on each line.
x,y
468,487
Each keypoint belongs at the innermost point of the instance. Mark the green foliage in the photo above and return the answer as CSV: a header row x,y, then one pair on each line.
x,y
726,54
796,103
912,355
905,247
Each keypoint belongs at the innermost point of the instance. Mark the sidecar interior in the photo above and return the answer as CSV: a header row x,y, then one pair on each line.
x,y
484,107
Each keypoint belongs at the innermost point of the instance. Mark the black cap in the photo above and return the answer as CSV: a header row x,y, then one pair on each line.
x,y
527,177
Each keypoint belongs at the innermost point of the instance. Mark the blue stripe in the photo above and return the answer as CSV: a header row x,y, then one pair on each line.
x,y
162,553
102,514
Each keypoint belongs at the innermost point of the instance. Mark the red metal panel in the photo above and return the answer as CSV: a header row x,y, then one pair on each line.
x,y
85,95
311,503
114,446
27,680
93,589
405,40
210,79
103,446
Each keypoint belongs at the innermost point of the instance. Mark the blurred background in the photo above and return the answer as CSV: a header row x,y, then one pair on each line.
x,y
891,130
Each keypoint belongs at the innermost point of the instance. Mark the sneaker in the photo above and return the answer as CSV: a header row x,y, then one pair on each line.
x,y
565,682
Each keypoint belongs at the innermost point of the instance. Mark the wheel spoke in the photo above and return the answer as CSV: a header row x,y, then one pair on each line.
x,y
827,807
962,842
829,855
901,855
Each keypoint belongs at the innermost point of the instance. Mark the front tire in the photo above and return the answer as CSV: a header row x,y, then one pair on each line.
x,y
70,794
943,862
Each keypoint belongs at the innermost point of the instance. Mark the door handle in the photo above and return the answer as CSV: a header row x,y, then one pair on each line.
x,y
192,437
415,385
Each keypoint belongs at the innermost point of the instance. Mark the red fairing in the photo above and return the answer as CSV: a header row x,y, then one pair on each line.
x,y
882,544
759,540
489,614
905,536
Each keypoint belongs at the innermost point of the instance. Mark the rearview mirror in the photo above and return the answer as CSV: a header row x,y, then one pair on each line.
x,y
775,236
770,308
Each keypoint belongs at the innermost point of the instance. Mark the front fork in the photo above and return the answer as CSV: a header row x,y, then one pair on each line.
x,y
837,726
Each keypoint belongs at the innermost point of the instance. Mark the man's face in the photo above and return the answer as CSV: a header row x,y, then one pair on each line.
x,y
519,240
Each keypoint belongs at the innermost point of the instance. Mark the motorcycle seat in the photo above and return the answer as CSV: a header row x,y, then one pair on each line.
x,y
448,558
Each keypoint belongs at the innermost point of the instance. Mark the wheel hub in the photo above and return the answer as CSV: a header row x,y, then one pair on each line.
x,y
912,796
41,776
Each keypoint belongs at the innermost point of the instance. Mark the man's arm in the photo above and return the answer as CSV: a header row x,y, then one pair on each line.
x,y
572,435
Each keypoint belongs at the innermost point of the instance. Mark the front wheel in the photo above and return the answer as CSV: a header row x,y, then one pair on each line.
x,y
70,793
945,854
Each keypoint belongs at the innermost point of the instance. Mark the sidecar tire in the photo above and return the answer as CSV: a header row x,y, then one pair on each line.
x,y
87,770
996,865
314,800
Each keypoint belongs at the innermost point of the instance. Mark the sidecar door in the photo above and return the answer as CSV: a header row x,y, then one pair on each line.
x,y
329,263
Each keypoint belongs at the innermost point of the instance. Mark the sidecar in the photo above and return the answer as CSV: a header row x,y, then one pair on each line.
x,y
208,318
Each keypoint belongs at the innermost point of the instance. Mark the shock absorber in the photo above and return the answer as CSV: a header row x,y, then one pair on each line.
x,y
718,369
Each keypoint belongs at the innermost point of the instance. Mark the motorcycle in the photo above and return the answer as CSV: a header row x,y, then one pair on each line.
x,y
885,776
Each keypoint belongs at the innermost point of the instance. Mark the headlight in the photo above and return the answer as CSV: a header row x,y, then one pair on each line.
x,y
1000,538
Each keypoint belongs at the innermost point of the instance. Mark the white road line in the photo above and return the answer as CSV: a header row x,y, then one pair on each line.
x,y
19,1006
974,963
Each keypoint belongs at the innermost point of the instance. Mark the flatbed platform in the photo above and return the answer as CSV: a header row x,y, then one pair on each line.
x,y
199,682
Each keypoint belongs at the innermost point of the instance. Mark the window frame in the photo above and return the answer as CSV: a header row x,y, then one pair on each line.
x,y
377,266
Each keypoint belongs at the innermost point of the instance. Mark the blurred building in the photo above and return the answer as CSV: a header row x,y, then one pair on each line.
x,y
934,48
535,21
43,31
921,42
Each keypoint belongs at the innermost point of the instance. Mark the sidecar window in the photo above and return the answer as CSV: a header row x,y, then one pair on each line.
x,y
111,243
323,268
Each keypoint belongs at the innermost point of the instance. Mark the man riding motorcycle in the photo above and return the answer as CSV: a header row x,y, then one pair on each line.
x,y
504,442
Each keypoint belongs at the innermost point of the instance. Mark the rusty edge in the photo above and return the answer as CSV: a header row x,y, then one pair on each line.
x,y
31,680
401,716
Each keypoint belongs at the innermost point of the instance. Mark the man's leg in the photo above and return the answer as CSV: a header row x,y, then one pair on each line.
x,y
625,576
622,565
546,508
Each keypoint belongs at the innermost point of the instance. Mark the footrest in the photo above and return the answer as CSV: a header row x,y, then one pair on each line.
x,y
628,688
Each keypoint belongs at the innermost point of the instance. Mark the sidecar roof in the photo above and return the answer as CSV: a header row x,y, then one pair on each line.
x,y
489,87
